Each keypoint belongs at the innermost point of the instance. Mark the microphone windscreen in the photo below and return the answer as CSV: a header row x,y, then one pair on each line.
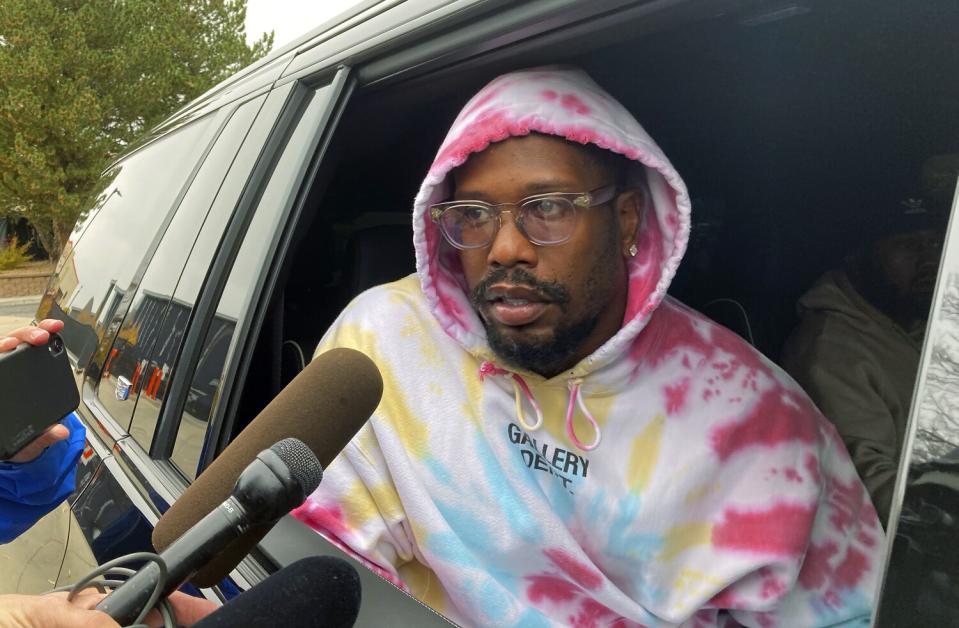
x,y
324,406
315,592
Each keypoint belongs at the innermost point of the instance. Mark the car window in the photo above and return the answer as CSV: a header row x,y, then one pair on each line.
x,y
174,303
215,361
120,231
921,587
135,368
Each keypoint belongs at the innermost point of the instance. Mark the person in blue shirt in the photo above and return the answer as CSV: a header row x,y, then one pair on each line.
x,y
42,474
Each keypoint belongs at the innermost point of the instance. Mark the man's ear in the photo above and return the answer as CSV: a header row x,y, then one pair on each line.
x,y
630,206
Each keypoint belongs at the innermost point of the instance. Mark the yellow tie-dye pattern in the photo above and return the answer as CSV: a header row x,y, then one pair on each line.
x,y
700,492
430,357
424,585
387,501
358,505
469,375
693,586
406,288
645,454
680,538
393,409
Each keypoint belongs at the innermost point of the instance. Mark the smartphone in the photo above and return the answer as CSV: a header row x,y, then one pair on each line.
x,y
37,389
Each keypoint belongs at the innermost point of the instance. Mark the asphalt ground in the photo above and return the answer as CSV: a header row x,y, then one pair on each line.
x,y
17,312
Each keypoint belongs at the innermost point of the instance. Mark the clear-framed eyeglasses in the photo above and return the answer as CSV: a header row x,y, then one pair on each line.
x,y
545,219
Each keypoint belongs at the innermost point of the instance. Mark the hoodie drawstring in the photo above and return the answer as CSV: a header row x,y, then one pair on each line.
x,y
575,398
488,368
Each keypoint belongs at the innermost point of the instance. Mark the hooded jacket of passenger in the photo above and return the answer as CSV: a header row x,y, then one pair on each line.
x,y
673,477
860,368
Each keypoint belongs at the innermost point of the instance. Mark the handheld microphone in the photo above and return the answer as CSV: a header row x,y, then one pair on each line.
x,y
277,481
324,406
314,592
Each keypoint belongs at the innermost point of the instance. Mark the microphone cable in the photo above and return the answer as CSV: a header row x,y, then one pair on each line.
x,y
109,570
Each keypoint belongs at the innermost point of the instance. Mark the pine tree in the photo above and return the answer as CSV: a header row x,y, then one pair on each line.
x,y
81,80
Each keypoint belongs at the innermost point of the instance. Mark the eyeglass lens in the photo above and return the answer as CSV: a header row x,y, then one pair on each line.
x,y
544,221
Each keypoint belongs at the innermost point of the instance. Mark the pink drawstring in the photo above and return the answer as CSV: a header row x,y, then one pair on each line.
x,y
575,398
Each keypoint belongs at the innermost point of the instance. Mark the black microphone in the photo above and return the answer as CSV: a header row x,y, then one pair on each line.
x,y
314,592
277,481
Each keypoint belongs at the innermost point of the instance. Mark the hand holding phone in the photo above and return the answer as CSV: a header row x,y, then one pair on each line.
x,y
36,336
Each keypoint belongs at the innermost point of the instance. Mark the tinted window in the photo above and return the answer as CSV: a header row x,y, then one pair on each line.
x,y
144,349
119,232
235,308
922,577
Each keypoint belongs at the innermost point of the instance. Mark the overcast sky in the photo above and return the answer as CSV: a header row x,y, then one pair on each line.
x,y
289,18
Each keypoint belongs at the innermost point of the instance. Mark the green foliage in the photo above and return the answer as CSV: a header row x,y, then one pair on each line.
x,y
14,254
80,80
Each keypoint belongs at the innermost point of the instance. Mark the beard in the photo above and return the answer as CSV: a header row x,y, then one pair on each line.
x,y
551,354
906,305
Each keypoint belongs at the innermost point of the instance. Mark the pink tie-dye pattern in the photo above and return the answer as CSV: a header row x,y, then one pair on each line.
x,y
330,522
781,530
676,396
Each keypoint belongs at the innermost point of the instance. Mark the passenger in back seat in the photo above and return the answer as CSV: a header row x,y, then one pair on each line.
x,y
856,350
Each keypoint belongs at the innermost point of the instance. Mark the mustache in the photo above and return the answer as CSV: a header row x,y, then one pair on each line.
x,y
552,290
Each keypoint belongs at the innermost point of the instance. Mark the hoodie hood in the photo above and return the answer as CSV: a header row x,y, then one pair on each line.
x,y
567,103
834,294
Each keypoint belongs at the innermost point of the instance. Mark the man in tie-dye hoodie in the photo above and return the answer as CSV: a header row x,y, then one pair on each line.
x,y
559,442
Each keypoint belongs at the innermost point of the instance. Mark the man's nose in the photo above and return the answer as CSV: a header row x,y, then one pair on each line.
x,y
510,247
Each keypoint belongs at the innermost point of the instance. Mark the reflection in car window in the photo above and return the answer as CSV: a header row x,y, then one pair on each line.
x,y
922,578
144,350
205,379
235,306
107,248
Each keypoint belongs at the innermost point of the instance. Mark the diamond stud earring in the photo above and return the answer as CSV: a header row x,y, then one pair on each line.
x,y
632,250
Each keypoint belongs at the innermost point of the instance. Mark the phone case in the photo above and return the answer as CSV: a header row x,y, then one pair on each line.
x,y
37,389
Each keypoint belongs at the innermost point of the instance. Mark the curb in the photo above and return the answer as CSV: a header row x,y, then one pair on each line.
x,y
12,301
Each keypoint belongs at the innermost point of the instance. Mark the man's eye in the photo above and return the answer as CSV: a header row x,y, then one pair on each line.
x,y
474,213
549,208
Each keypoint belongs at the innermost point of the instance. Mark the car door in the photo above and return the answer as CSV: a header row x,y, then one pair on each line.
x,y
183,324
106,253
108,509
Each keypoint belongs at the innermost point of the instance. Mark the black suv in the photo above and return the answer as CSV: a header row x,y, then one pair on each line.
x,y
220,249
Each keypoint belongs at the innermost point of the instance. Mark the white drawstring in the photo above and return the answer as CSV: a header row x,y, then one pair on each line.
x,y
488,368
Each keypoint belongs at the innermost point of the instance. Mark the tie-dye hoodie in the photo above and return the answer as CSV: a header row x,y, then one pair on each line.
x,y
716,494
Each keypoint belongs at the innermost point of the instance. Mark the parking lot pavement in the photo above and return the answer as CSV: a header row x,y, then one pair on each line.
x,y
17,312
9,323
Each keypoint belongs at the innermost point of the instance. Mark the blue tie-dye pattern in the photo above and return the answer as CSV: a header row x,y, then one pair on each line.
x,y
485,590
623,544
596,511
634,548
438,470
838,615
561,500
522,523
494,600
532,618
468,543
465,525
